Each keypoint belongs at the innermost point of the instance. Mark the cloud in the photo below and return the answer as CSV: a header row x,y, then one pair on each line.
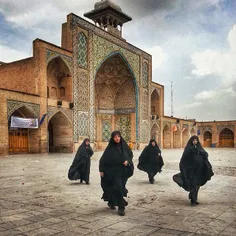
x,y
220,63
158,56
12,54
205,95
192,105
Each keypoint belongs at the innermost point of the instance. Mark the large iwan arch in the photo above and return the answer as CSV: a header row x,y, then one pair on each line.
x,y
116,99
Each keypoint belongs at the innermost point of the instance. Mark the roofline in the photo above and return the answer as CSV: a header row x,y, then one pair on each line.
x,y
215,121
54,45
190,120
20,60
158,84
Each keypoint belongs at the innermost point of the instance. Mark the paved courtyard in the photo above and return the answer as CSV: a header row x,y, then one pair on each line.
x,y
36,198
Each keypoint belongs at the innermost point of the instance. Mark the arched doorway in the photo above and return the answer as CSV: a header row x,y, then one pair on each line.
x,y
185,137
155,133
115,100
60,134
22,140
226,138
155,104
59,80
207,142
176,138
166,137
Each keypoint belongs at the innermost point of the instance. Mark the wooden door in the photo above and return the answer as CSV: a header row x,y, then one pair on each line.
x,y
207,139
227,138
18,141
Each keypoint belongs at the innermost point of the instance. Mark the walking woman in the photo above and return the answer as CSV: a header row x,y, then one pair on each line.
x,y
195,169
115,167
151,160
80,168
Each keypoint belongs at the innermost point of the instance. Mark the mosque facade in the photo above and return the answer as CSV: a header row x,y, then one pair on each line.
x,y
92,84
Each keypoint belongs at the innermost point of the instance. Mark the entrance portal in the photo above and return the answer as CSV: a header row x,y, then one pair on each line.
x,y
22,140
155,133
166,137
60,134
226,138
207,139
115,101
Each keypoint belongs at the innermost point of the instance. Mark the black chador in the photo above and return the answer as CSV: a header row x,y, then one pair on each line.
x,y
151,160
115,167
195,169
80,168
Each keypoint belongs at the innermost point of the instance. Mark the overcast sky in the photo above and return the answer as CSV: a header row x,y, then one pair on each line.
x,y
193,44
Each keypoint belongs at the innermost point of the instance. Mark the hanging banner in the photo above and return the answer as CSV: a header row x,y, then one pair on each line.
x,y
26,123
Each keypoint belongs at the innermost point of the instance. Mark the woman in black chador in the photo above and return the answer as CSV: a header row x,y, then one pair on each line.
x,y
151,160
80,168
195,169
115,168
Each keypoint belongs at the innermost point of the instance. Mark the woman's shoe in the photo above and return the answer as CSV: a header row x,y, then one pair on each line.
x,y
111,206
152,181
121,211
193,203
81,181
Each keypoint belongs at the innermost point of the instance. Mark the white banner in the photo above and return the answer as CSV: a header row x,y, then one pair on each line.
x,y
26,123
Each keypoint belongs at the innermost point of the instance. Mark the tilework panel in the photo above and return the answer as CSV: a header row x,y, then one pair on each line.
x,y
67,112
82,50
83,124
221,127
76,20
106,130
51,55
14,105
103,48
124,126
145,132
145,75
83,91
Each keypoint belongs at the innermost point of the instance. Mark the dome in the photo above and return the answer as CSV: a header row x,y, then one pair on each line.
x,y
106,3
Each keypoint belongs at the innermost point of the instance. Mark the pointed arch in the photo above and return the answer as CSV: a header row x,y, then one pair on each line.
x,y
226,138
117,55
155,132
207,139
62,59
177,138
22,140
155,103
27,110
59,76
60,133
167,136
62,112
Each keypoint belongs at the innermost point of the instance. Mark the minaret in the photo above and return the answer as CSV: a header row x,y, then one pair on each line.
x,y
108,16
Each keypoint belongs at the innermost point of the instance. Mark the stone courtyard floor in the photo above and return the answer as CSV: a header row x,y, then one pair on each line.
x,y
36,198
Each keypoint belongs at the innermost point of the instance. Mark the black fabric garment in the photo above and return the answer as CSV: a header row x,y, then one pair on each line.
x,y
115,172
193,195
194,166
80,168
151,160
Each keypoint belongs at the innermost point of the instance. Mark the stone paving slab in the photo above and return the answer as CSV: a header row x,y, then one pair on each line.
x,y
36,198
